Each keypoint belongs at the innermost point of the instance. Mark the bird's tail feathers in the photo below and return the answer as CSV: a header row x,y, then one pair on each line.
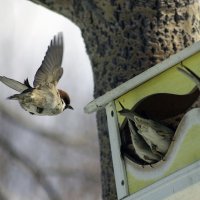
x,y
16,85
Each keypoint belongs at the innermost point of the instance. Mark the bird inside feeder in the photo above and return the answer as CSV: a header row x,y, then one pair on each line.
x,y
149,127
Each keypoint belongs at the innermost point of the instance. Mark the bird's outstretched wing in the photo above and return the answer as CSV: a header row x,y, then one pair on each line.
x,y
16,85
50,70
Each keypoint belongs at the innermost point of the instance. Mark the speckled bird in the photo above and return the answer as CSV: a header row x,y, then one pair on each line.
x,y
156,135
43,98
142,149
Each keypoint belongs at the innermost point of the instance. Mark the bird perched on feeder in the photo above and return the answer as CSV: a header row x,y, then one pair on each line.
x,y
44,98
142,149
156,135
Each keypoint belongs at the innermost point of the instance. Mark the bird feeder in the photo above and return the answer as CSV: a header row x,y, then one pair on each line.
x,y
164,95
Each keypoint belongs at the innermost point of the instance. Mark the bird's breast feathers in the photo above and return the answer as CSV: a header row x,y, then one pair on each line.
x,y
42,102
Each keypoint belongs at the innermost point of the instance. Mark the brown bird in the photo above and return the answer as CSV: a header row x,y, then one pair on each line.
x,y
44,98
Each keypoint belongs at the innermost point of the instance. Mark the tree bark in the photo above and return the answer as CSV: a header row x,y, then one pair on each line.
x,y
123,38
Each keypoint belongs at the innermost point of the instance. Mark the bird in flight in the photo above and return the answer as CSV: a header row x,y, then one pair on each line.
x,y
43,98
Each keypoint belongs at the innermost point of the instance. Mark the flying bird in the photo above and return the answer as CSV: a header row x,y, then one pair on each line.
x,y
43,98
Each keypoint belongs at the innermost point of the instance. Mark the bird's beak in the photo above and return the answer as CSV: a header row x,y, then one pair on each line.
x,y
70,107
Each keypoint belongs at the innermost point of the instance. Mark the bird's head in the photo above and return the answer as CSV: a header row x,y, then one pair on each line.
x,y
65,97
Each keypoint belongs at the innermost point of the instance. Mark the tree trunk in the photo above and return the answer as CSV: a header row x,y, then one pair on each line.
x,y
123,38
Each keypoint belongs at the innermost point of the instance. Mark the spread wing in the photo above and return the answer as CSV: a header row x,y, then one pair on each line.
x,y
50,70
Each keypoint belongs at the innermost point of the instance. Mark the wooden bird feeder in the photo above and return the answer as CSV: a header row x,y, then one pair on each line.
x,y
164,94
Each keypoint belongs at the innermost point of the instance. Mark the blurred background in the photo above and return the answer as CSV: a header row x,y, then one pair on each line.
x,y
48,157
53,157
